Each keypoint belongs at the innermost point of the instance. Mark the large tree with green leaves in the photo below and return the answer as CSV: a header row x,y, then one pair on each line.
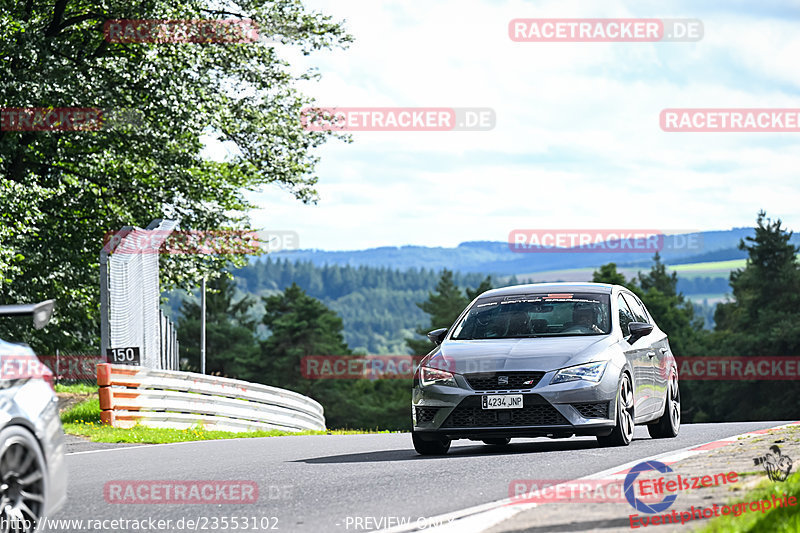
x,y
60,192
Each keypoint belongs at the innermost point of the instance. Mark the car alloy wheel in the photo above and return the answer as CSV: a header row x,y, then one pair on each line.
x,y
22,480
622,434
670,422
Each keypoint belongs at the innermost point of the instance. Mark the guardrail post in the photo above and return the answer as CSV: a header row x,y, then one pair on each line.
x,y
105,393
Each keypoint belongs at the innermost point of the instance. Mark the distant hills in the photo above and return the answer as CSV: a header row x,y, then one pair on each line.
x,y
497,258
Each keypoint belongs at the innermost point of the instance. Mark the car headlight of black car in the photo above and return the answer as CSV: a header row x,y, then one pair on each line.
x,y
587,372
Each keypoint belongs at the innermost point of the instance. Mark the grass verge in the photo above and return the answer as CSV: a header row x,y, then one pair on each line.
x,y
79,388
774,520
84,419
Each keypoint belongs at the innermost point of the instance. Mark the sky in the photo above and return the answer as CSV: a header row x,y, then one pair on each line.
x,y
577,141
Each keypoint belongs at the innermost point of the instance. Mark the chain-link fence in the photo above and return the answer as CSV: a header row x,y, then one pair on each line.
x,y
133,326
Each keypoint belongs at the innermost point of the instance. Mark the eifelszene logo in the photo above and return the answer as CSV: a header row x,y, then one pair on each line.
x,y
636,503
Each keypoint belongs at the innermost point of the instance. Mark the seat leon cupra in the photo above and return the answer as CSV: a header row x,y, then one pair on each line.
x,y
555,360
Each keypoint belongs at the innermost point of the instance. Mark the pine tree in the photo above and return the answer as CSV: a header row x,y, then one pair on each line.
x,y
443,307
231,346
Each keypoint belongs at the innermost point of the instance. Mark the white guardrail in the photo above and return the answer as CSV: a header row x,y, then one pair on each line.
x,y
131,395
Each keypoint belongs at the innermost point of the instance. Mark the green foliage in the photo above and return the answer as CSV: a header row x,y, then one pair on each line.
x,y
608,274
763,319
60,192
443,308
378,306
231,345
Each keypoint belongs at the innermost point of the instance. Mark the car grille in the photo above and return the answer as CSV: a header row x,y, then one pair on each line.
x,y
536,411
426,414
516,380
592,410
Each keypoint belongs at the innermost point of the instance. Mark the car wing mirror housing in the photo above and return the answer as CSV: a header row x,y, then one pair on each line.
x,y
639,330
437,336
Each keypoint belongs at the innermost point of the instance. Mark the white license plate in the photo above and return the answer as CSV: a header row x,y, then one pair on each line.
x,y
502,401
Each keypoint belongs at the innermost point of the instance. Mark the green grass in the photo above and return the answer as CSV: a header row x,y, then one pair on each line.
x,y
80,388
87,411
84,420
781,520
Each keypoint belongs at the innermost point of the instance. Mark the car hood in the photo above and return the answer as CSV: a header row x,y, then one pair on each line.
x,y
537,354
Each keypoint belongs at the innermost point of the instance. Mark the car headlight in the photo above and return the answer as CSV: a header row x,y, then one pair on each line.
x,y
587,372
434,376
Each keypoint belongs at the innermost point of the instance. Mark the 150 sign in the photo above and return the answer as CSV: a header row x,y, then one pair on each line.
x,y
125,356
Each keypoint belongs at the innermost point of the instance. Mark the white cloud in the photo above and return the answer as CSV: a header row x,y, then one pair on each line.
x,y
577,142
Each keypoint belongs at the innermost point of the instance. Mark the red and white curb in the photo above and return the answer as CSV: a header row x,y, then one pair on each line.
x,y
481,517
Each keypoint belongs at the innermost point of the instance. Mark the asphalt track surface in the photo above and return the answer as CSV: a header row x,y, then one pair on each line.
x,y
327,483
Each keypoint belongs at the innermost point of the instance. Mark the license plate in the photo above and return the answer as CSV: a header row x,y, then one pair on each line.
x,y
502,401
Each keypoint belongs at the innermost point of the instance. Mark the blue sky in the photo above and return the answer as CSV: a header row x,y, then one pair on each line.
x,y
577,142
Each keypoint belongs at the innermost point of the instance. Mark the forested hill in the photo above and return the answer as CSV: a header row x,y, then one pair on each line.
x,y
377,305
497,258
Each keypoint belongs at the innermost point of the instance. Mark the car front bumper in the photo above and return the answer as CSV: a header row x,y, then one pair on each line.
x,y
563,409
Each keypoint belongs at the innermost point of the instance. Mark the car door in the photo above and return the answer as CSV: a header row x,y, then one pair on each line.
x,y
640,362
659,352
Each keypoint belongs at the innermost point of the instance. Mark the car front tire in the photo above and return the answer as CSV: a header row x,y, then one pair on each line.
x,y
435,446
622,435
669,424
24,474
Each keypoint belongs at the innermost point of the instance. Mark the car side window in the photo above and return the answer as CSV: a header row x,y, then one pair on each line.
x,y
625,316
638,311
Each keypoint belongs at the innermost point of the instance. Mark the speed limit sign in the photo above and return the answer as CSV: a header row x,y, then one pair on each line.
x,y
125,356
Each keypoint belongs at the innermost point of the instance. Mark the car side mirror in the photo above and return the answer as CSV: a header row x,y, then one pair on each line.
x,y
639,330
437,336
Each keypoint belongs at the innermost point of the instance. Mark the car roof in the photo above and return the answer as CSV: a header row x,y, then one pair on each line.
x,y
602,288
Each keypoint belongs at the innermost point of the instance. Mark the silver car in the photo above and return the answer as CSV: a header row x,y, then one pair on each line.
x,y
555,360
33,478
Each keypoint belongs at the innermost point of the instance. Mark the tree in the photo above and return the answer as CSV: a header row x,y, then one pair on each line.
x,y
299,325
231,346
443,307
62,191
608,274
763,319
673,313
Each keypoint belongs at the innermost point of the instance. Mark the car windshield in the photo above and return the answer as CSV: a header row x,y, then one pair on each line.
x,y
536,315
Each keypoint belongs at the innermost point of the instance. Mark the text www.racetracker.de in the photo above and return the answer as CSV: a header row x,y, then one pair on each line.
x,y
200,523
